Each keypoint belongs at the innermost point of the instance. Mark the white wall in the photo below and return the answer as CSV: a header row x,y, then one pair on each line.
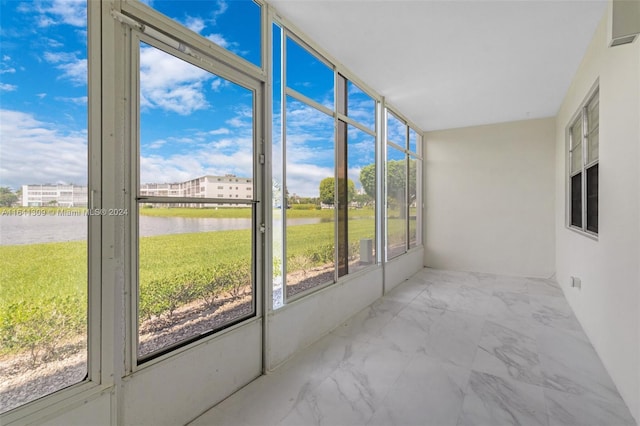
x,y
608,305
489,198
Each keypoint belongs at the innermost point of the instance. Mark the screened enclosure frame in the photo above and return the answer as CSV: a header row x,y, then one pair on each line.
x,y
409,155
247,78
339,115
115,30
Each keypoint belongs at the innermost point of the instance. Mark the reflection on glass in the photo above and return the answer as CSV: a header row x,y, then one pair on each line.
x,y
360,106
576,146
43,200
361,228
192,283
593,118
310,168
308,75
396,131
413,140
234,25
396,172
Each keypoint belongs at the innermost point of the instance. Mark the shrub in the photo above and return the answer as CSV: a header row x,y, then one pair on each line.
x,y
304,206
321,254
41,327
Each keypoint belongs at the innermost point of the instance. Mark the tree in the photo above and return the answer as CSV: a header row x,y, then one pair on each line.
x,y
7,197
327,190
368,180
396,180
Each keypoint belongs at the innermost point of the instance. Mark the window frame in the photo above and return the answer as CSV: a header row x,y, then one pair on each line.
x,y
581,118
243,76
409,155
287,31
98,378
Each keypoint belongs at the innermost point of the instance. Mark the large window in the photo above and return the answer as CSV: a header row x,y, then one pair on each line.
x,y
403,170
194,218
44,210
583,167
324,171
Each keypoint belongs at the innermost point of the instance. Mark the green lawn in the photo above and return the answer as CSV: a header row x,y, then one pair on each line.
x,y
48,280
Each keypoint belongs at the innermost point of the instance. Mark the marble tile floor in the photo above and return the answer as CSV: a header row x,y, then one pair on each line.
x,y
443,348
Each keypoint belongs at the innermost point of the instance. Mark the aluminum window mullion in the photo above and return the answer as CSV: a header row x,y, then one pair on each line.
x,y
395,145
283,152
356,124
195,200
583,177
310,102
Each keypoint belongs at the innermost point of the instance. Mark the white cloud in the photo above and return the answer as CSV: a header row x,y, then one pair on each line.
x,y
219,83
53,43
8,71
75,71
72,68
221,8
39,152
80,100
171,84
219,40
41,95
195,24
157,144
221,131
4,87
304,179
71,12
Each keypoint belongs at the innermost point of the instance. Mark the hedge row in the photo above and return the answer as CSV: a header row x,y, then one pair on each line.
x,y
42,328
164,295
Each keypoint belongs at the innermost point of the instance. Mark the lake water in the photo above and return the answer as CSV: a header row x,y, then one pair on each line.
x,y
47,229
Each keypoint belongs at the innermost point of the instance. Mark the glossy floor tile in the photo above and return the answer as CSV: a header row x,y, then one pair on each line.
x,y
443,348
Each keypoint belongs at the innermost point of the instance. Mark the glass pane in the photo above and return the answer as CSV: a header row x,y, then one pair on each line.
x,y
576,158
592,199
576,200
397,213
594,141
413,140
309,75
310,234
277,184
396,131
234,25
43,199
195,259
195,274
196,131
576,133
415,167
360,106
593,113
361,150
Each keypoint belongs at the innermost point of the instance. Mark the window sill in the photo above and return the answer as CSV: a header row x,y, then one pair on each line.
x,y
587,234
49,406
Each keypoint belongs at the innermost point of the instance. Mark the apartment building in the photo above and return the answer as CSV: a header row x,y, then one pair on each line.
x,y
58,195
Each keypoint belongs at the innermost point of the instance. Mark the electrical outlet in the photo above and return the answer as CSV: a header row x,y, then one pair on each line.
x,y
576,282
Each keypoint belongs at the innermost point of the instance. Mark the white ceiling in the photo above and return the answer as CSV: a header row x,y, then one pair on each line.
x,y
448,64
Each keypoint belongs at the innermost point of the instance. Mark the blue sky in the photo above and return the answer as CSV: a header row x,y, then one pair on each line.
x,y
192,122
